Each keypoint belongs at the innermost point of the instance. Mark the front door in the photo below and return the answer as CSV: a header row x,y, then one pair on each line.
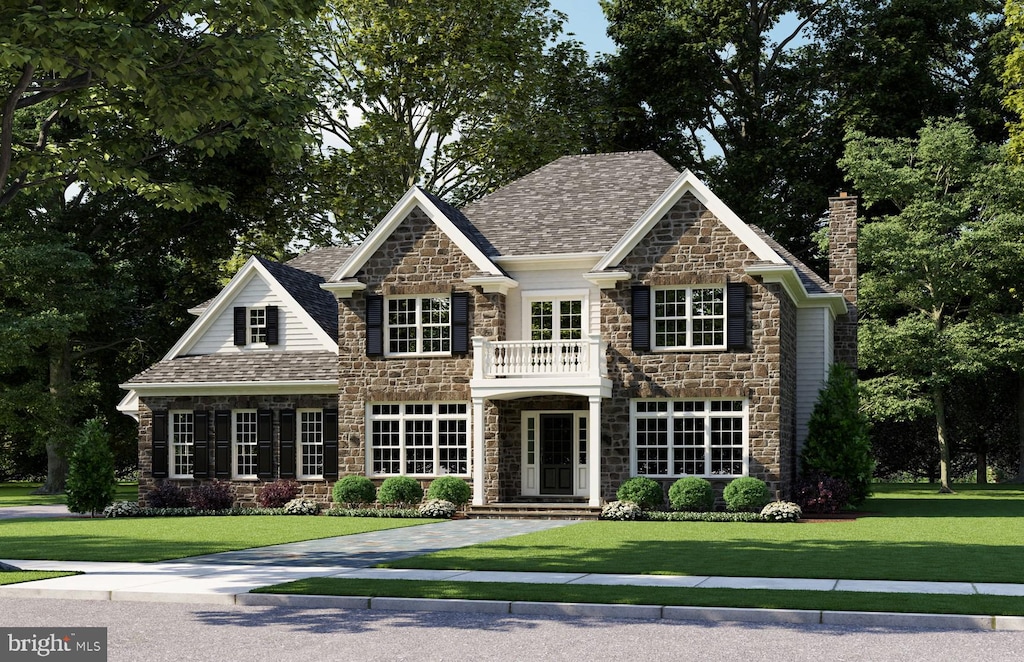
x,y
556,453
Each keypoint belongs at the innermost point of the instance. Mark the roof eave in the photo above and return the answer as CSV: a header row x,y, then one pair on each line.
x,y
787,276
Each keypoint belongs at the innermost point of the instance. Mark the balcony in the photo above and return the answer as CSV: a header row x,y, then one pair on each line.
x,y
517,368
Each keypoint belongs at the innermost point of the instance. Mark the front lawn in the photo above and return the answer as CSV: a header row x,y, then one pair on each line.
x,y
913,533
20,494
164,538
19,576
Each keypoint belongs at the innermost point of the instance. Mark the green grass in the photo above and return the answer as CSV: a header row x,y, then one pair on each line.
x,y
20,494
163,538
913,534
698,597
19,576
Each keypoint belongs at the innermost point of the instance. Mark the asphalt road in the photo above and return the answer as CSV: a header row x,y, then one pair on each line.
x,y
158,632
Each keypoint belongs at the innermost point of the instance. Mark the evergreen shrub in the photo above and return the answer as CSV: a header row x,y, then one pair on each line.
x,y
354,489
400,489
642,491
746,494
691,494
91,481
450,488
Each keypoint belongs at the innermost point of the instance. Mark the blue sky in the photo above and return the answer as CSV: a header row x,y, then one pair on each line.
x,y
587,22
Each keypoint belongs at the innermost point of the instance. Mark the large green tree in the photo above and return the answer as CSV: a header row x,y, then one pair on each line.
x,y
945,213
458,96
80,82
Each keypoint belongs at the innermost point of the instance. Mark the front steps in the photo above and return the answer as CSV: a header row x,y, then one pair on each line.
x,y
534,510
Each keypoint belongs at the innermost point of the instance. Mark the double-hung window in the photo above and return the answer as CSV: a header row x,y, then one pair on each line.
x,y
689,317
420,439
244,452
418,325
257,326
311,443
182,444
689,437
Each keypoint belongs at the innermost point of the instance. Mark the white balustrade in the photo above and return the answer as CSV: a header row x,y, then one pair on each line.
x,y
538,358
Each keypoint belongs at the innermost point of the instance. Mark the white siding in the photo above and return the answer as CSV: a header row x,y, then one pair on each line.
x,y
536,284
813,358
219,336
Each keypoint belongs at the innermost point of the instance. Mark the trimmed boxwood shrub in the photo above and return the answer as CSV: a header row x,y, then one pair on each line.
x,y
747,494
450,488
218,495
278,493
642,491
399,489
691,494
354,489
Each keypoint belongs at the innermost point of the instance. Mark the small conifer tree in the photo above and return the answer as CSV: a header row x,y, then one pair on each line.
x,y
91,480
837,442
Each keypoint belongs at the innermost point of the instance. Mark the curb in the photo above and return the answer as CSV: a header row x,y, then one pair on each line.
x,y
860,619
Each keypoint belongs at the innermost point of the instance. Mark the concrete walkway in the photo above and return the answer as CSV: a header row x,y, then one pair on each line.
x,y
227,578
23,512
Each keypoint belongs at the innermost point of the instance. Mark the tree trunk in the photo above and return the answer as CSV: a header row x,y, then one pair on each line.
x,y
1020,426
982,467
941,431
60,427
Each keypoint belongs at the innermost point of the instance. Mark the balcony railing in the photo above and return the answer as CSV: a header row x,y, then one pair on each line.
x,y
539,358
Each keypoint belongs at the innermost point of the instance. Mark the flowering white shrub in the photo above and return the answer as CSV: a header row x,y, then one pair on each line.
x,y
622,511
302,506
122,509
782,511
438,508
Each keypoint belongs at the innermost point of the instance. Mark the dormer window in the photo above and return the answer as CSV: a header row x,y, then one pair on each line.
x,y
256,326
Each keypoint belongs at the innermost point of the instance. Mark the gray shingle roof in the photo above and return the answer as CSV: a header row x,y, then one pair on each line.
x,y
814,283
577,204
322,261
242,367
305,289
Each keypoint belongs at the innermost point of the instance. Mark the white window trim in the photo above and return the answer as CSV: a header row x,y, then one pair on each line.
x,y
689,318
530,485
172,443
234,444
299,444
251,328
435,416
555,297
708,415
419,324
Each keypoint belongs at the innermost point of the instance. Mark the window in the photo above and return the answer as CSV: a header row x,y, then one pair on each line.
x,y
311,443
424,439
244,452
182,444
257,326
689,437
689,317
418,325
556,320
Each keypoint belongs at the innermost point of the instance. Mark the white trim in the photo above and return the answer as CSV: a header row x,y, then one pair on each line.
x,y
413,198
580,261
786,276
476,456
489,284
235,475
403,418
418,325
222,302
582,473
299,474
171,443
724,317
311,387
606,280
687,182
343,290
555,297
129,405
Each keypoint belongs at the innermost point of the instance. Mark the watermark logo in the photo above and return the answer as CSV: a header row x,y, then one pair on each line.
x,y
63,644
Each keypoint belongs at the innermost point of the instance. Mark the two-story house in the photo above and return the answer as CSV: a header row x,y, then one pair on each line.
x,y
601,318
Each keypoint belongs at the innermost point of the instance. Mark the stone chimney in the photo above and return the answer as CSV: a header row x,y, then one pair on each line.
x,y
842,273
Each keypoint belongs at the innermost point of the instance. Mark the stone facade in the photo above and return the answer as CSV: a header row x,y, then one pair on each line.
x,y
842,273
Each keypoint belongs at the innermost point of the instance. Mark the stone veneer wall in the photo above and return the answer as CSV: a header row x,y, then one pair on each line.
x,y
688,247
842,273
245,490
416,259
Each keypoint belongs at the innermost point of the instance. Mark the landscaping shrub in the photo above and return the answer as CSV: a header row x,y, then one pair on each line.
x,y
122,509
438,508
782,511
91,481
822,494
621,511
691,494
450,488
218,495
747,494
642,491
354,489
278,493
167,495
837,443
399,489
687,516
373,512
302,506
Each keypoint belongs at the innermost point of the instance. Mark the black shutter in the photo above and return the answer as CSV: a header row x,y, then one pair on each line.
x,y
272,334
736,315
374,325
222,444
241,326
265,444
460,322
200,444
331,444
160,450
641,313
287,443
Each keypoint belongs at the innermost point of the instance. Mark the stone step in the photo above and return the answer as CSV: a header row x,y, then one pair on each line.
x,y
533,511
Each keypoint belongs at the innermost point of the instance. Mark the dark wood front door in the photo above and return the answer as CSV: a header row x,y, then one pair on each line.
x,y
556,448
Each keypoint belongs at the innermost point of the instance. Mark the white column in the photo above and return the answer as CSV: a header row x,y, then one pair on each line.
x,y
478,451
594,451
